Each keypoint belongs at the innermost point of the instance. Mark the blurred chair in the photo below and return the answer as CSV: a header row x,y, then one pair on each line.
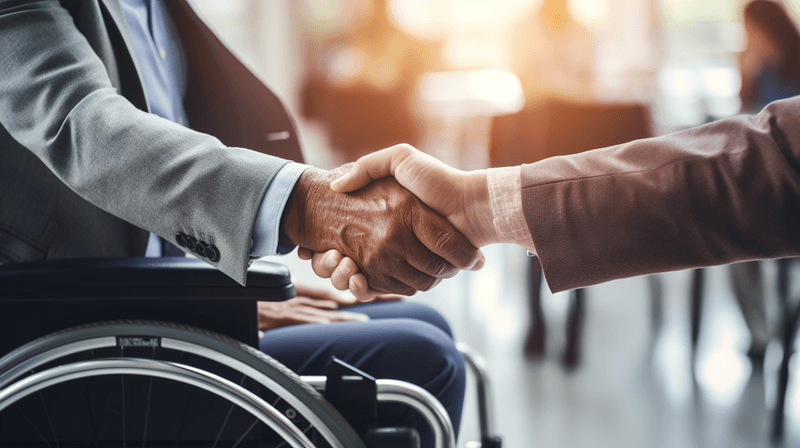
x,y
361,118
360,82
555,127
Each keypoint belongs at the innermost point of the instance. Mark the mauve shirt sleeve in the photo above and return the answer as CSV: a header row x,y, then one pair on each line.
x,y
506,200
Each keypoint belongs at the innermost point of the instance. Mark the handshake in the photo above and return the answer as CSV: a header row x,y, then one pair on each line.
x,y
374,234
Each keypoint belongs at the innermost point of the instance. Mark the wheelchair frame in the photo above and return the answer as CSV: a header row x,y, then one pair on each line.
x,y
171,281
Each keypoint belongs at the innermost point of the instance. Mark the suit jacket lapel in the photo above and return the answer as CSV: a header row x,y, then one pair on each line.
x,y
114,10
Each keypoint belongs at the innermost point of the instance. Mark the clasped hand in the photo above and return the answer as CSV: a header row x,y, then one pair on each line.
x,y
461,198
399,244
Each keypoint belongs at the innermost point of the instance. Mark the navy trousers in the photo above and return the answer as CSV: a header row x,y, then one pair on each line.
x,y
406,341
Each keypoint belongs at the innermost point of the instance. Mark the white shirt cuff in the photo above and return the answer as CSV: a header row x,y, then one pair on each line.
x,y
268,220
505,196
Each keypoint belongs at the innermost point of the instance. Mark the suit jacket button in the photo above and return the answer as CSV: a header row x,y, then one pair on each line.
x,y
190,242
212,253
200,248
180,238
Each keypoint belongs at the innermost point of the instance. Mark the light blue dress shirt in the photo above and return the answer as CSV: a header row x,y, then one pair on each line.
x,y
163,67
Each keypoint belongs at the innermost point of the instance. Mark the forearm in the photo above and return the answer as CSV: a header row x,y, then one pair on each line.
x,y
717,194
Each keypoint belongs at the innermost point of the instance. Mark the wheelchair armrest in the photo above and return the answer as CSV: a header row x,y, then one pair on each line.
x,y
166,277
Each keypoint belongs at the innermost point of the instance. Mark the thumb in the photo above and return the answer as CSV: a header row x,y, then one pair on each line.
x,y
371,167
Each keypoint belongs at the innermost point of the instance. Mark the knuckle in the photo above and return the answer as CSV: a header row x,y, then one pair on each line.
x,y
428,284
440,268
380,282
405,291
449,244
403,149
349,266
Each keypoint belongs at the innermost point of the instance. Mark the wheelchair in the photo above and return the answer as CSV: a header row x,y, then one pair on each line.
x,y
158,352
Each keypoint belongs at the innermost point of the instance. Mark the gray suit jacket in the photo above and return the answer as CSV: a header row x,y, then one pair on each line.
x,y
716,194
86,171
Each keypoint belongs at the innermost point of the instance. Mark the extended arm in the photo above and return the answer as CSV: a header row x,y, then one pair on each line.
x,y
717,194
721,193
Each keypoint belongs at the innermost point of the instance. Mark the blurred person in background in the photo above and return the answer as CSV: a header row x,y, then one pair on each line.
x,y
770,63
770,71
553,55
363,84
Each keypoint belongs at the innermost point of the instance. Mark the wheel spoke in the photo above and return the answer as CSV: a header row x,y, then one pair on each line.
x,y
122,384
33,426
147,409
49,421
227,416
183,420
91,414
249,428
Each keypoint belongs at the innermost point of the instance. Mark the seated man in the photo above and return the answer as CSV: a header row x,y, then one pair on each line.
x,y
95,97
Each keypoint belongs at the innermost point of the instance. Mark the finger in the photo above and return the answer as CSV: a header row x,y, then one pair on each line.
x,y
388,298
307,302
317,292
343,169
305,253
310,314
443,239
344,316
413,277
393,286
300,319
362,291
325,263
370,167
358,286
340,279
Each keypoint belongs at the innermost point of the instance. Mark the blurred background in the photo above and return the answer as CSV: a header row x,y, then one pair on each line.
x,y
696,358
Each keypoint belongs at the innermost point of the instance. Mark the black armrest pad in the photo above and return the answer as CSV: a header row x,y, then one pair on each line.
x,y
166,277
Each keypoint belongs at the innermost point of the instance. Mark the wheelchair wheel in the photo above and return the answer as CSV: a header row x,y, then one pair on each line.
x,y
155,384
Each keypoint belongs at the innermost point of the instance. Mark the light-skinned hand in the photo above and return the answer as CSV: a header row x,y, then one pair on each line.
x,y
461,197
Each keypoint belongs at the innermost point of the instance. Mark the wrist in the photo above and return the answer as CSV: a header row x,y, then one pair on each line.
x,y
505,199
478,210
298,210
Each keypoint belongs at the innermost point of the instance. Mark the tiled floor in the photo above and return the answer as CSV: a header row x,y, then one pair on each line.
x,y
634,386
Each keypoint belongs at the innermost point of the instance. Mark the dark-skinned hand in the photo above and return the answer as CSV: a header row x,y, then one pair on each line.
x,y
313,305
400,244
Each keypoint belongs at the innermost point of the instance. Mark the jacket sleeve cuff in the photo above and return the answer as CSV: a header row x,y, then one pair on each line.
x,y
268,219
506,201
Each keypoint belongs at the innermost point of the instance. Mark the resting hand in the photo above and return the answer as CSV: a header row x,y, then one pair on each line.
x,y
313,305
400,244
461,197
